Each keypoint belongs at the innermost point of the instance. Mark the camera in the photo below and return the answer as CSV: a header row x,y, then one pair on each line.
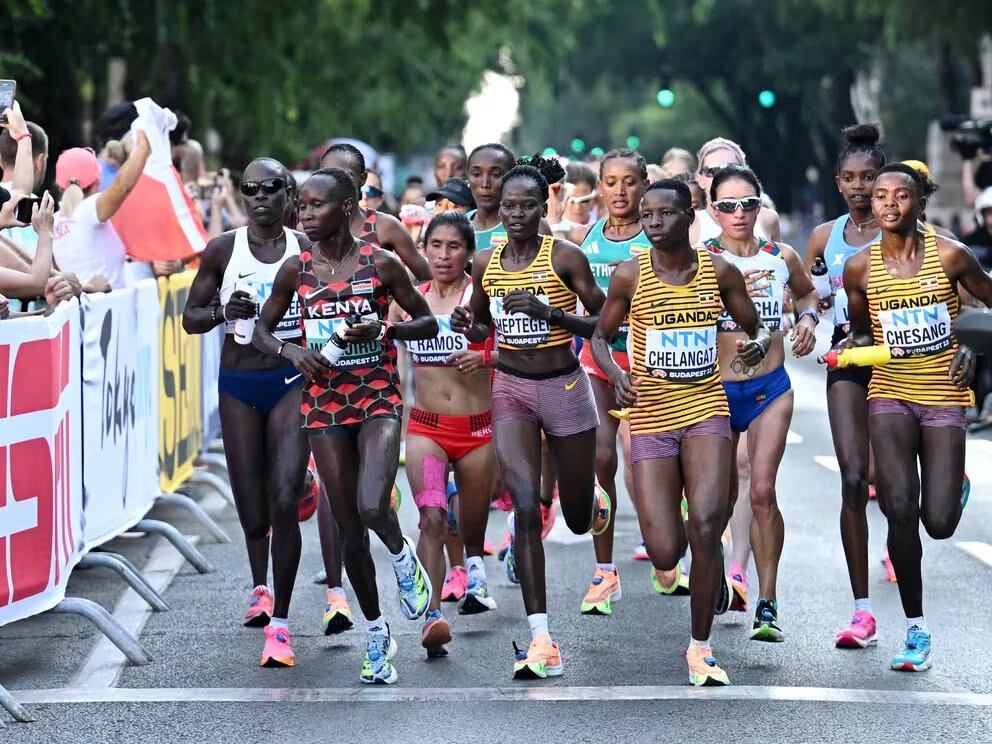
x,y
968,135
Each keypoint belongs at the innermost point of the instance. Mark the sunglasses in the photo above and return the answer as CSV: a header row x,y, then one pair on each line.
x,y
711,170
269,186
583,199
372,191
729,206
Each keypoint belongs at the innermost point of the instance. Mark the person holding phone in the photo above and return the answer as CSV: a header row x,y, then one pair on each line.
x,y
33,283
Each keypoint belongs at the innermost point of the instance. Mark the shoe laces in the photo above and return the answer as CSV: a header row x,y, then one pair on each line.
x,y
915,638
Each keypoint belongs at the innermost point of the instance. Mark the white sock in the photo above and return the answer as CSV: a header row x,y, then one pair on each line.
x,y
510,525
262,586
703,645
862,605
538,623
474,563
606,566
919,622
402,558
336,591
279,622
375,626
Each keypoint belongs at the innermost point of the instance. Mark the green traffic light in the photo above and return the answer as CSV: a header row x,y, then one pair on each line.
x,y
578,145
666,97
766,98
549,152
597,152
633,141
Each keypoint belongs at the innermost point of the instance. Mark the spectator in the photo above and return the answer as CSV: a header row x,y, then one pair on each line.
x,y
212,195
453,196
581,193
33,283
35,146
85,243
676,161
413,194
179,138
111,127
980,239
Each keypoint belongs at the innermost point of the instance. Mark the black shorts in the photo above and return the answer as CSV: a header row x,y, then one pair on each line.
x,y
858,375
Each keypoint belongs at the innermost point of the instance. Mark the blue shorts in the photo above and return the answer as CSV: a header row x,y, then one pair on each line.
x,y
749,398
259,388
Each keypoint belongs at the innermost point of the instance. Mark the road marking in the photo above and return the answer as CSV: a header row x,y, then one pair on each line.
x,y
981,551
827,461
501,694
793,438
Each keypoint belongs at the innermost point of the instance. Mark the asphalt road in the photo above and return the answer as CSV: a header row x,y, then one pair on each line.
x,y
625,678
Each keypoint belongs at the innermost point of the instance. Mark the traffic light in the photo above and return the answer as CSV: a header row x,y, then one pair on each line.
x,y
549,152
633,141
766,98
578,145
666,97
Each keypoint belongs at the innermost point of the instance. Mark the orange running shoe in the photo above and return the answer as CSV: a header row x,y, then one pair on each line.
x,y
604,511
548,516
488,548
259,608
307,504
703,669
738,586
542,660
603,591
337,614
277,651
890,571
435,634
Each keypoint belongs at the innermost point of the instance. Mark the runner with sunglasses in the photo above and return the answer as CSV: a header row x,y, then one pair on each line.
x,y
608,243
351,408
847,388
679,418
527,289
760,395
265,448
372,194
902,293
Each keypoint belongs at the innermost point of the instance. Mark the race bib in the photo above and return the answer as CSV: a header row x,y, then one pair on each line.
x,y
769,310
319,331
517,329
289,326
917,331
681,355
435,351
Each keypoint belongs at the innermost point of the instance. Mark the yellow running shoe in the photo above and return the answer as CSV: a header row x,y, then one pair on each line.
x,y
603,591
666,582
542,660
604,512
703,669
337,614
395,498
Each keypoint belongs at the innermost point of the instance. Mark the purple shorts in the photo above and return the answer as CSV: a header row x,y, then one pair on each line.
x,y
561,405
924,414
669,443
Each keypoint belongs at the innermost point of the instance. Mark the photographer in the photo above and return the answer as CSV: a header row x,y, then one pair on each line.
x,y
38,279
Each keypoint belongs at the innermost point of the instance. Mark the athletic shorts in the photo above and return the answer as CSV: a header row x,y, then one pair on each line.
x,y
858,375
749,398
936,416
259,388
456,435
661,444
561,402
591,368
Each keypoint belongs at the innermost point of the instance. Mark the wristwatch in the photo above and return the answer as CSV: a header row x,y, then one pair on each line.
x,y
557,315
386,330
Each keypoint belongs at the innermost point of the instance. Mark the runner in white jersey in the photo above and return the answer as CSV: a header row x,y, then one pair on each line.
x,y
266,449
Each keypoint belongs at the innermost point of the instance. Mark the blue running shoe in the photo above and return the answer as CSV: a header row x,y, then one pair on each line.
x,y
377,668
452,491
965,491
915,655
413,585
766,627
477,598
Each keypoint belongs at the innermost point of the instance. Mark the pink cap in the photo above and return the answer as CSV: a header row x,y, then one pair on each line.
x,y
78,165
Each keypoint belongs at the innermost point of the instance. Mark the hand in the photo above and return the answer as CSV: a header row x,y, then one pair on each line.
x,y
306,361
845,343
557,199
461,319
141,144
962,368
4,308
14,125
241,306
414,214
43,215
519,301
74,284
625,390
753,281
751,352
803,337
367,330
8,212
98,283
825,303
167,268
57,290
466,361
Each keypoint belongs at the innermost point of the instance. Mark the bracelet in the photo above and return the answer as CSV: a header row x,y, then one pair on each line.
x,y
810,314
26,135
223,312
279,350
384,327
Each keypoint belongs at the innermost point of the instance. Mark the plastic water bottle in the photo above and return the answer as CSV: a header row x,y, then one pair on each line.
x,y
858,356
821,279
335,347
244,328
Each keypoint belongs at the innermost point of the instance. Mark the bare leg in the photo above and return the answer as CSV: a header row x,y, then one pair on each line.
x,y
740,520
426,468
474,477
606,462
331,550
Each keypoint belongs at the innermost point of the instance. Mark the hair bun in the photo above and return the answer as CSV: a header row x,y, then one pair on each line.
x,y
862,134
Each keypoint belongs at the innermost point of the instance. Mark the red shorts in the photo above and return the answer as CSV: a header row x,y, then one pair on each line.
x,y
456,435
591,368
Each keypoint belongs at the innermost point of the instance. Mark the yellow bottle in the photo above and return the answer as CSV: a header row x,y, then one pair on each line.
x,y
859,356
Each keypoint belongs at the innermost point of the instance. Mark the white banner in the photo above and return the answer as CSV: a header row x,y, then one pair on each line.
x,y
212,343
120,409
40,468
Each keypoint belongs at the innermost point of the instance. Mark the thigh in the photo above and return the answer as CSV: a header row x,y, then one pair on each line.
x,y
895,439
474,472
942,450
706,463
606,432
577,477
658,485
378,459
847,409
244,448
767,435
424,457
336,458
287,447
518,452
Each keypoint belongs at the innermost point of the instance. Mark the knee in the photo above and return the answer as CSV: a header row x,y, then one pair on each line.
x,y
527,514
606,461
256,529
374,514
706,528
941,527
433,525
664,556
762,494
903,514
284,507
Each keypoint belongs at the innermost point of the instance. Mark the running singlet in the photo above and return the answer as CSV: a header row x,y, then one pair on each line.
x,y
434,352
244,271
835,255
768,258
601,252
363,383
369,235
673,349
516,330
913,318
495,235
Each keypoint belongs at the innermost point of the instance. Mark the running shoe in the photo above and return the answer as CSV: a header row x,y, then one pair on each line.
x,y
508,559
277,651
603,592
259,608
548,516
377,668
703,669
505,545
320,577
455,584
738,586
872,492
965,491
915,655
542,660
890,571
766,627
666,582
337,614
503,502
395,498
721,602
402,458
861,633
641,552
604,510
307,505
684,508
435,633
488,548
413,585
476,599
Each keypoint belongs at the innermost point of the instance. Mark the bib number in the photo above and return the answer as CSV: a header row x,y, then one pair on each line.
x,y
435,351
917,331
518,329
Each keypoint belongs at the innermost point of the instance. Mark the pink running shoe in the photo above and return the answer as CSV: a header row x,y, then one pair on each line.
x,y
455,584
488,548
861,633
548,515
503,502
738,584
641,552
890,571
259,608
277,652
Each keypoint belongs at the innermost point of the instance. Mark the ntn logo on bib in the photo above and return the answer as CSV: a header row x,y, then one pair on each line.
x,y
681,355
916,330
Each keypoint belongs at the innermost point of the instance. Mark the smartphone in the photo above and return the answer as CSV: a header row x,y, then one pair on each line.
x,y
24,208
7,89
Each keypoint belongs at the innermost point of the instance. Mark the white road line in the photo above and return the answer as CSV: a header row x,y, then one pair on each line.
x,y
500,694
793,438
827,461
981,551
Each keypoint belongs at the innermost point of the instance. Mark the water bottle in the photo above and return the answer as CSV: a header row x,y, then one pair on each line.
x,y
244,328
821,279
858,356
336,346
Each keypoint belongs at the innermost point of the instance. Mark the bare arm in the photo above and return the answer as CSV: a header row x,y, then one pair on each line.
x,y
856,287
396,239
475,322
623,284
737,301
33,282
771,224
963,268
817,243
109,201
201,314
574,268
803,335
422,323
